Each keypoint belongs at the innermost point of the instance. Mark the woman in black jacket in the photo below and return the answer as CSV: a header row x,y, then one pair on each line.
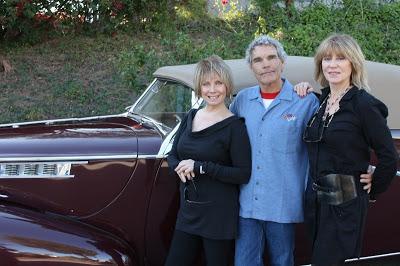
x,y
211,156
348,123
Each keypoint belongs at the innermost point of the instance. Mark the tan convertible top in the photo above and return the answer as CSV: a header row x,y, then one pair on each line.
x,y
384,79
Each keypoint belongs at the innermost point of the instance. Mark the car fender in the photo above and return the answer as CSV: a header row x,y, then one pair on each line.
x,y
31,238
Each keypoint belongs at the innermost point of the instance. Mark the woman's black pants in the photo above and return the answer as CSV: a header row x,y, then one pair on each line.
x,y
185,249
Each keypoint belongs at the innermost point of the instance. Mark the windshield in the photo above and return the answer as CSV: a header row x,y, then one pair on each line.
x,y
165,103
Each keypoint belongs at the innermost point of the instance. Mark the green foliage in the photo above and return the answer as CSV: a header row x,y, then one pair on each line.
x,y
31,21
109,54
36,113
72,90
266,5
136,65
375,26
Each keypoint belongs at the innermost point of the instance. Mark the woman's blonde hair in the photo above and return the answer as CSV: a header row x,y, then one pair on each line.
x,y
342,45
213,65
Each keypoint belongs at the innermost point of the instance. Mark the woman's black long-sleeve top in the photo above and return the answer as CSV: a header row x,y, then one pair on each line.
x,y
358,126
210,207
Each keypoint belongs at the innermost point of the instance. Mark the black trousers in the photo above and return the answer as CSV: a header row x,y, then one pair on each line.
x,y
336,230
185,248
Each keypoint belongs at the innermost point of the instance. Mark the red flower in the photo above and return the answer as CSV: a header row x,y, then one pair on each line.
x,y
41,17
118,5
225,2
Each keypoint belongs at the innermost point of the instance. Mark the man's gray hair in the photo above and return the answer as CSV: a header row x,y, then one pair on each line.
x,y
265,40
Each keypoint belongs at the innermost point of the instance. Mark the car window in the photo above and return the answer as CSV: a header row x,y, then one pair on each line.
x,y
166,102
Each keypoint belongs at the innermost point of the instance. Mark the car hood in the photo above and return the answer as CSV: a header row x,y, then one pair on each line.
x,y
98,137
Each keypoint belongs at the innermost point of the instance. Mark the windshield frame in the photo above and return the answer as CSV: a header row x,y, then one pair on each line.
x,y
144,118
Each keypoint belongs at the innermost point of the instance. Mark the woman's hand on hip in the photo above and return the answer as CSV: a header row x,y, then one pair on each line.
x,y
367,180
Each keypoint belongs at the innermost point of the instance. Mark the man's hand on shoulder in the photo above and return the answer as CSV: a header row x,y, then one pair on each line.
x,y
303,89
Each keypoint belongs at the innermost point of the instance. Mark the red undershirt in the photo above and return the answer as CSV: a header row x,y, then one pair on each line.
x,y
269,95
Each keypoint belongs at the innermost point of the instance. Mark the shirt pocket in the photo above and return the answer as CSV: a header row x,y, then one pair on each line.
x,y
286,137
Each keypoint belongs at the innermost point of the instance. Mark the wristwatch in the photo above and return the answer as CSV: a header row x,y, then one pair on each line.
x,y
201,170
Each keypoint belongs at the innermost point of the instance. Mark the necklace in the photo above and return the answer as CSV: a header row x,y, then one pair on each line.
x,y
330,104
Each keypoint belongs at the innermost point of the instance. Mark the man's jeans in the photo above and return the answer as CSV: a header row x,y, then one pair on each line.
x,y
251,240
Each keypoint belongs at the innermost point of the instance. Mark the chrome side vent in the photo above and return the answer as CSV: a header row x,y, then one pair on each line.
x,y
30,169
49,169
38,170
11,169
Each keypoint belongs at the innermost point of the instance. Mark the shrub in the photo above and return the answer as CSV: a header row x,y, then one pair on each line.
x,y
147,34
376,26
29,19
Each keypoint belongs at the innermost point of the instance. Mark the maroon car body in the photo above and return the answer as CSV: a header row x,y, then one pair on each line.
x,y
98,191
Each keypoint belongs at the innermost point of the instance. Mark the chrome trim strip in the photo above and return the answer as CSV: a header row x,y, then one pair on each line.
x,y
81,159
77,159
368,257
49,162
375,256
69,158
37,176
55,121
152,156
398,173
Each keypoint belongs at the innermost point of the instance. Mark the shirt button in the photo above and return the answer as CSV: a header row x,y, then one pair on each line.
x,y
259,152
260,135
257,183
258,167
256,198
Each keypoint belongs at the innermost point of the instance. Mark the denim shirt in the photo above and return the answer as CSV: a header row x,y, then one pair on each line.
x,y
280,165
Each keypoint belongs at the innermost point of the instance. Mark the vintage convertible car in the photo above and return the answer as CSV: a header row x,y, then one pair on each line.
x,y
97,190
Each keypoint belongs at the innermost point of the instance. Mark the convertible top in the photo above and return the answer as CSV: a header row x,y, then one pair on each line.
x,y
384,79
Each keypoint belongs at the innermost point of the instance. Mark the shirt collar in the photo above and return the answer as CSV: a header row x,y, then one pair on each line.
x,y
285,94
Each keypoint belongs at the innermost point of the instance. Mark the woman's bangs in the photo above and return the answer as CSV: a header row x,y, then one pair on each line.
x,y
333,48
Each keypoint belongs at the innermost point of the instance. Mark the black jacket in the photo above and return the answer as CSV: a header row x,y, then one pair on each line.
x,y
345,147
357,127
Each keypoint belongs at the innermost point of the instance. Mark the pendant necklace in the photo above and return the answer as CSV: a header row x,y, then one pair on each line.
x,y
329,104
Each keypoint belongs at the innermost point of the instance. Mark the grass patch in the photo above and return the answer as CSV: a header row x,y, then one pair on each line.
x,y
65,78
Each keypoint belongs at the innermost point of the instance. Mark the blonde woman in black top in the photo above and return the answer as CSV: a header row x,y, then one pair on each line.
x,y
211,156
348,123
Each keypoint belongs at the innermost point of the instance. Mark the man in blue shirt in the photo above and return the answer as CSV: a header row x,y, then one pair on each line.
x,y
272,202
